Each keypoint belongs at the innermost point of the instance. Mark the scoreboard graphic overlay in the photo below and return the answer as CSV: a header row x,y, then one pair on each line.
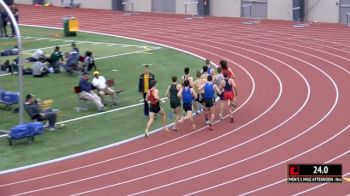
x,y
316,173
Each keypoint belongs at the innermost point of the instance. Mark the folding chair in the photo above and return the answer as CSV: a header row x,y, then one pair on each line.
x,y
82,103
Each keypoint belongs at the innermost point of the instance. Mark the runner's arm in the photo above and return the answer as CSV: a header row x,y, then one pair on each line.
x,y
167,92
194,95
179,94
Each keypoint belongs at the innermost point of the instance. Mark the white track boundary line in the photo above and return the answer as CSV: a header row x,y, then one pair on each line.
x,y
267,110
285,179
328,113
334,84
272,166
330,80
134,138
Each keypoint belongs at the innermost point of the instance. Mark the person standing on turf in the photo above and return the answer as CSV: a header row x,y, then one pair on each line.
x,y
210,89
230,93
152,96
188,95
145,80
175,103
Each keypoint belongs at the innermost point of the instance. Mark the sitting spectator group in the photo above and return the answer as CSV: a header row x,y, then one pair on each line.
x,y
44,65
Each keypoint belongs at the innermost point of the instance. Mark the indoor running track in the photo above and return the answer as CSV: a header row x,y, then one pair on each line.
x,y
294,102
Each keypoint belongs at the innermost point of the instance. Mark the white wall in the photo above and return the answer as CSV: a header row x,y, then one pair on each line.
x,y
322,10
229,8
30,2
280,9
143,5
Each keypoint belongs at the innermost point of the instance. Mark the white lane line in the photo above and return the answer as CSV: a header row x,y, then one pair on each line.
x,y
328,78
248,141
246,101
285,179
272,166
317,69
328,113
201,144
125,141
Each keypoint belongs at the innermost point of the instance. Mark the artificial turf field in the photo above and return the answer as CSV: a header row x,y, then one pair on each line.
x,y
116,58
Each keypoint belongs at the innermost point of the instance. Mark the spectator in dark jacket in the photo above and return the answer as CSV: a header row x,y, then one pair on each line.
x,y
144,84
32,107
87,93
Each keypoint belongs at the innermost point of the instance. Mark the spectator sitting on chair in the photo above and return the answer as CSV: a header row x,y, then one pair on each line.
x,y
72,59
32,107
100,83
39,68
86,92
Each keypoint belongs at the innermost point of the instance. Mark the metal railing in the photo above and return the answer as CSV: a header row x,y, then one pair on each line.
x,y
20,60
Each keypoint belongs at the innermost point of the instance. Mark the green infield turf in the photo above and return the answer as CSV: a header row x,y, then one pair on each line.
x,y
116,58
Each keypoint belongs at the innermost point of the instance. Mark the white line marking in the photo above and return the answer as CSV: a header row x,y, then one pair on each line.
x,y
187,149
137,137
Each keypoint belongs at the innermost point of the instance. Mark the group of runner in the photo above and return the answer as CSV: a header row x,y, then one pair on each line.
x,y
196,95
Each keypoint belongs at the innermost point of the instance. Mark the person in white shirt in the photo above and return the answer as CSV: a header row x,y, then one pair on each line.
x,y
100,83
36,55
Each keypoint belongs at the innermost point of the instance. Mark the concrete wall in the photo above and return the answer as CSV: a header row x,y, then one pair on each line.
x,y
280,9
322,10
229,8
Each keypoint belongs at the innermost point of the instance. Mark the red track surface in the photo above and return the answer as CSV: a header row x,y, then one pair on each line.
x,y
294,97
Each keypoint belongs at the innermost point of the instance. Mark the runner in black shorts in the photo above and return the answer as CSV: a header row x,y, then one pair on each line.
x,y
209,96
188,96
152,97
175,103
